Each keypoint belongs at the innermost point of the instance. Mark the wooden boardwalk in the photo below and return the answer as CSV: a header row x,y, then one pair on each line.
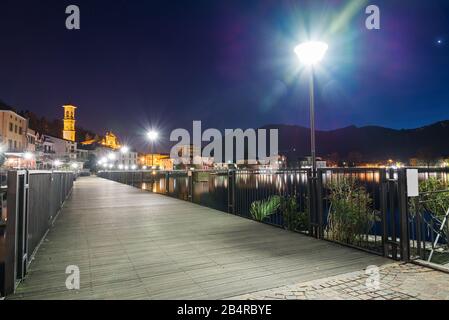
x,y
131,244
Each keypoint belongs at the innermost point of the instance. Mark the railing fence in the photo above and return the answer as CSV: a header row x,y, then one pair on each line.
x,y
33,199
365,208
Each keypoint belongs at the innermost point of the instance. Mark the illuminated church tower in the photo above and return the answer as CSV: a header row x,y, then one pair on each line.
x,y
69,132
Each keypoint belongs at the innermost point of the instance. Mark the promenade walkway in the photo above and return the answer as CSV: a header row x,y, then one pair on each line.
x,y
131,244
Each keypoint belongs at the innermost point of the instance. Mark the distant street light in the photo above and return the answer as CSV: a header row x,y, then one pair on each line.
x,y
111,156
310,54
57,163
124,149
152,136
28,156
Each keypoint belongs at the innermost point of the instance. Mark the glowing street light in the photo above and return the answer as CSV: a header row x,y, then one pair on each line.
x,y
152,135
111,156
310,54
28,156
57,163
124,149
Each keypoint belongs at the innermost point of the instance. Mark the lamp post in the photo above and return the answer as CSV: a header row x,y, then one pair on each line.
x,y
152,136
124,150
310,54
124,158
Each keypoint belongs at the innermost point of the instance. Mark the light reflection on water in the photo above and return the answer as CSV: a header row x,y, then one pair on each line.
x,y
213,191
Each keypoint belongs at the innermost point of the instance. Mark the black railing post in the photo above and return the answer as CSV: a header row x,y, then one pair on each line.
x,y
418,226
167,182
190,183
383,209
319,203
314,224
310,198
403,215
231,191
9,270
393,199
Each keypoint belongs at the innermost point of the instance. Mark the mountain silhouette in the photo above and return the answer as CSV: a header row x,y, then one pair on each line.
x,y
371,143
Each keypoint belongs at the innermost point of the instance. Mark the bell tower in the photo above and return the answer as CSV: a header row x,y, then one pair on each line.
x,y
69,132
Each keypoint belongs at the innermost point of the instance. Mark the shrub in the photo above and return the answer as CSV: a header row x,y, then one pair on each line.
x,y
432,200
293,218
351,215
260,210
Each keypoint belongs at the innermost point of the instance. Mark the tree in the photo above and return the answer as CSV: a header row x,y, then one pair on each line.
x,y
426,155
91,163
354,158
334,158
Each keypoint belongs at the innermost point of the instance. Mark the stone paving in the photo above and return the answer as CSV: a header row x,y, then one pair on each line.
x,y
396,281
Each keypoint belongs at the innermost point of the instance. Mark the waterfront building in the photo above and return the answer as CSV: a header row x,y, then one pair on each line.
x,y
13,131
61,149
152,159
127,159
31,137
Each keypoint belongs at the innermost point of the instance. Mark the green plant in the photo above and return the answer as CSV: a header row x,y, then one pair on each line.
x,y
260,210
293,219
433,199
351,216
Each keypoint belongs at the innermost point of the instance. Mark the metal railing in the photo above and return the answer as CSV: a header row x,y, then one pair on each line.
x,y
350,204
429,218
228,191
365,208
290,186
30,203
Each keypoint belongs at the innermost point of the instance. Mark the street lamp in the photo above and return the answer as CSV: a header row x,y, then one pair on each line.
x,y
310,54
152,136
57,163
124,149
28,156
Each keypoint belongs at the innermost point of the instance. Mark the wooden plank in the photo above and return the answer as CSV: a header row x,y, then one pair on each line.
x,y
130,244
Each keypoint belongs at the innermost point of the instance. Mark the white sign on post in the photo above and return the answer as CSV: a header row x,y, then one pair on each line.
x,y
412,183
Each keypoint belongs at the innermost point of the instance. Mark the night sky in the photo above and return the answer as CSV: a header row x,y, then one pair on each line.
x,y
136,64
